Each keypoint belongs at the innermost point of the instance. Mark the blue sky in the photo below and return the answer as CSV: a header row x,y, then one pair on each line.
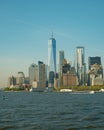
x,y
26,26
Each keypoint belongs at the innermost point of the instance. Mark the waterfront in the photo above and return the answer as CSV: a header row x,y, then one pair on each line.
x,y
51,111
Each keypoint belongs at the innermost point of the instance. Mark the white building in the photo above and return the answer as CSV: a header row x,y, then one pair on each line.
x,y
81,68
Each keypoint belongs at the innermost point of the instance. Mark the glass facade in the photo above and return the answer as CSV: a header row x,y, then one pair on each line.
x,y
41,75
52,54
32,73
20,78
81,68
94,60
61,60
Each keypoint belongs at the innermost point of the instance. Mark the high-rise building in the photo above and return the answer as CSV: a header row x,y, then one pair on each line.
x,y
61,61
52,54
94,60
41,74
33,73
95,76
11,81
69,76
51,79
81,68
37,75
20,79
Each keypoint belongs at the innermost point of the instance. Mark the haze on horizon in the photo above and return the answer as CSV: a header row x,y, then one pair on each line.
x,y
26,26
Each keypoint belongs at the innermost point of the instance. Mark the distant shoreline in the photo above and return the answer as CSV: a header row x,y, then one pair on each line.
x,y
72,89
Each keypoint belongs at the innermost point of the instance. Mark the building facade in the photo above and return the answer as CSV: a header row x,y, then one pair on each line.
x,y
95,75
94,60
69,75
51,79
33,73
11,81
52,54
81,67
20,78
41,75
61,61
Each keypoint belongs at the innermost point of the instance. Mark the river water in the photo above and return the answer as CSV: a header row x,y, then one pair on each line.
x,y
51,111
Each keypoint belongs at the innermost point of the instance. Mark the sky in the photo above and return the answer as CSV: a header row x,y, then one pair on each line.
x,y
26,26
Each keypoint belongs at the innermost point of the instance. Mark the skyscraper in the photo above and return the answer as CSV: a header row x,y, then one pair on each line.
x,y
11,81
41,75
52,54
81,65
94,60
95,76
32,73
37,75
20,78
61,61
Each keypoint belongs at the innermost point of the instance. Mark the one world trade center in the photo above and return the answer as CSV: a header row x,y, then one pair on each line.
x,y
52,54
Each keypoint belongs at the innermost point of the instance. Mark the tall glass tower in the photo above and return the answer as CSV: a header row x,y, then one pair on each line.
x,y
33,73
61,60
81,68
52,54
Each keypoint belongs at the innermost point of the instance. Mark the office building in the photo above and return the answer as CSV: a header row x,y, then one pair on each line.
x,y
69,76
51,79
41,75
37,75
20,78
61,61
81,67
95,76
33,73
52,54
94,60
66,67
11,81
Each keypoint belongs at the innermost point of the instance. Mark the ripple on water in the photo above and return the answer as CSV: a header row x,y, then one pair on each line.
x,y
52,111
7,127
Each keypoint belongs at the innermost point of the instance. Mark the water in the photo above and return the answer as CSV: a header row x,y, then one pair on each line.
x,y
51,111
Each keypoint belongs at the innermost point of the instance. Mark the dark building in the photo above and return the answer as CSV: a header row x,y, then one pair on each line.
x,y
41,75
70,78
94,60
66,67
51,77
69,75
95,75
40,62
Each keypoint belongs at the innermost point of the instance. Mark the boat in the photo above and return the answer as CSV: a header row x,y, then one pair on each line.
x,y
101,90
92,92
66,90
31,90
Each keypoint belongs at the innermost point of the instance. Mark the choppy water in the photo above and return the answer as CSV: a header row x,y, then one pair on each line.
x,y
51,111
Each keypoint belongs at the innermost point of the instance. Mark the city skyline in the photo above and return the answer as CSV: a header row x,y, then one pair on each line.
x,y
26,27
